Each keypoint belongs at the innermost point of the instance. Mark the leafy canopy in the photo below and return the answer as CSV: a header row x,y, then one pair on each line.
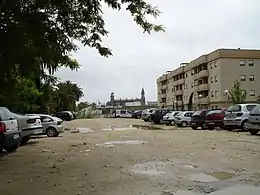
x,y
237,95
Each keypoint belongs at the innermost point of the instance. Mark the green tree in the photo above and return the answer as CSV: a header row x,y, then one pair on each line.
x,y
237,95
83,105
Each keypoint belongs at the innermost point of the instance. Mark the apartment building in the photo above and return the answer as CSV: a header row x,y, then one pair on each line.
x,y
206,81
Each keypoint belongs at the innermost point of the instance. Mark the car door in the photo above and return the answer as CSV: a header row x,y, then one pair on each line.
x,y
254,117
123,114
128,114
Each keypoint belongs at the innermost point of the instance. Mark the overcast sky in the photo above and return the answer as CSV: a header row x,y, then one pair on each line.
x,y
192,29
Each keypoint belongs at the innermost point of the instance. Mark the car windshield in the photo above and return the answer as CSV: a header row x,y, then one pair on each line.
x,y
234,108
197,112
214,112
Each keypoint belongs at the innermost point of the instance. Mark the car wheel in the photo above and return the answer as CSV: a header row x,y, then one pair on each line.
x,y
138,117
11,148
51,132
244,125
25,140
173,123
184,124
211,128
253,132
194,127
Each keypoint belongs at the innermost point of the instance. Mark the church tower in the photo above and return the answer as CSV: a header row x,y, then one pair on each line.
x,y
112,99
142,98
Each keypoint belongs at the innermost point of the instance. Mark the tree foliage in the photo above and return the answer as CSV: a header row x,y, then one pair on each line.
x,y
37,38
237,95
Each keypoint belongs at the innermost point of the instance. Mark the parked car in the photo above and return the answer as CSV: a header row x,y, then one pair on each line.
x,y
169,118
64,115
237,115
52,126
254,120
214,118
198,119
146,114
137,114
183,118
29,125
10,135
123,114
158,115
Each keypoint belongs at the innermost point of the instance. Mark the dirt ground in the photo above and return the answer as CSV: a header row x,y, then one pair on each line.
x,y
157,162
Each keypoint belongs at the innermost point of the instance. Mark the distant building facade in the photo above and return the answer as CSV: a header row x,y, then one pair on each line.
x,y
127,102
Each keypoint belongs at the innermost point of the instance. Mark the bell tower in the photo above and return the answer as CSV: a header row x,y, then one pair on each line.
x,y
142,98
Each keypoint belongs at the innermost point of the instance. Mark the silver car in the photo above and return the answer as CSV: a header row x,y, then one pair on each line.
x,y
29,125
237,116
254,120
52,126
183,118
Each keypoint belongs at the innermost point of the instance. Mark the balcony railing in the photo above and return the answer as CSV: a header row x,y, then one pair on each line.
x,y
201,74
203,87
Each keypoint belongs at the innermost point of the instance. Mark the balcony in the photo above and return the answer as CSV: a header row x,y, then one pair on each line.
x,y
201,74
204,100
164,87
179,82
202,87
179,92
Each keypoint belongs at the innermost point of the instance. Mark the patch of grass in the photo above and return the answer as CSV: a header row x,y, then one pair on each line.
x,y
222,175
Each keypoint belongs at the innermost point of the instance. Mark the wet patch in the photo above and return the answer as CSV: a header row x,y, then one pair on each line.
x,y
222,175
202,177
112,128
125,142
238,190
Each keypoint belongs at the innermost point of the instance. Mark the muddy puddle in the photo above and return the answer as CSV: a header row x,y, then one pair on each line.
x,y
125,142
112,128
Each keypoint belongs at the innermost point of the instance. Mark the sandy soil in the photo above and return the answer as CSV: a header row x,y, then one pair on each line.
x,y
163,162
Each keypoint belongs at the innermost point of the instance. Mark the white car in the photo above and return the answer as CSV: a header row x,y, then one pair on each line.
x,y
123,114
10,135
183,118
169,118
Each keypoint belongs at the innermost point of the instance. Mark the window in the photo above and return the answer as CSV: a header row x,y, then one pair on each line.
x,y
234,108
251,63
252,93
242,63
211,65
186,86
212,94
172,90
216,79
251,78
255,111
195,83
216,93
250,107
188,114
5,114
191,85
45,119
242,77
215,64
186,75
211,78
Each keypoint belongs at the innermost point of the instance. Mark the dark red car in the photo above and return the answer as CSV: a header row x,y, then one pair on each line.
x,y
214,118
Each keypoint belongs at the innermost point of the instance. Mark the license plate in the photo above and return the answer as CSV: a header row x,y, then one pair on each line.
x,y
211,123
193,123
16,136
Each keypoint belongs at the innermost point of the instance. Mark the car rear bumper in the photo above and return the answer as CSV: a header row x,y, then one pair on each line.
x,y
60,128
214,123
232,123
10,139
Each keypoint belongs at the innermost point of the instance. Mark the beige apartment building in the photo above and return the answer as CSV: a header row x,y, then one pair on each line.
x,y
205,81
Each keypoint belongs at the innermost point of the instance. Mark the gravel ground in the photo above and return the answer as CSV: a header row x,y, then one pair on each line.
x,y
133,161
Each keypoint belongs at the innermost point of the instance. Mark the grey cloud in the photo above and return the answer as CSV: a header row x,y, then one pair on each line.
x,y
192,28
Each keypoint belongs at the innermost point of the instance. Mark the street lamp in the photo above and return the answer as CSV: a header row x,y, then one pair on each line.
x,y
226,94
176,103
200,96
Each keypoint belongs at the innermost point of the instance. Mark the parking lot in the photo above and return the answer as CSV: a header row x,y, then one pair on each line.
x,y
112,157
